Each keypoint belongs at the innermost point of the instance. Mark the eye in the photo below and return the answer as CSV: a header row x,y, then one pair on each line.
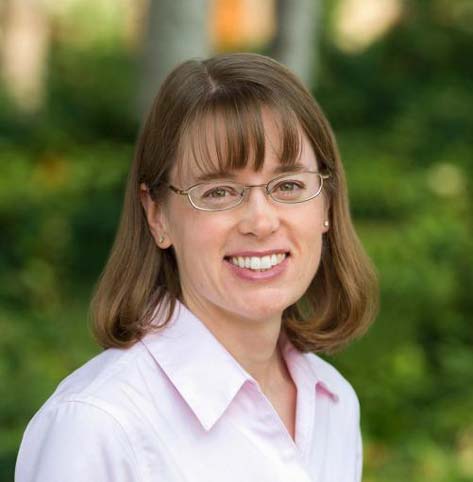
x,y
289,186
220,192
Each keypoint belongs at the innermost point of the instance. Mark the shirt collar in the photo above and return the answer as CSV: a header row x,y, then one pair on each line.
x,y
204,372
309,370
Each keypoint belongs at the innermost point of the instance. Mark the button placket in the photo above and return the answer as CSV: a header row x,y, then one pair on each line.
x,y
288,458
305,419
286,444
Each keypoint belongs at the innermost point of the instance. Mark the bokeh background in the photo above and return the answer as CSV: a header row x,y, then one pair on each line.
x,y
395,79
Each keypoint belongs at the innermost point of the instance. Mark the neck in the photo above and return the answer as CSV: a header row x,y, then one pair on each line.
x,y
253,344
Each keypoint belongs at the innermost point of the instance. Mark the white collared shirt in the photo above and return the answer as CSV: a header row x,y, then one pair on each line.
x,y
177,407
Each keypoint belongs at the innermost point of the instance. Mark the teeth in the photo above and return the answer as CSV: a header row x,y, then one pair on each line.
x,y
258,263
265,262
255,263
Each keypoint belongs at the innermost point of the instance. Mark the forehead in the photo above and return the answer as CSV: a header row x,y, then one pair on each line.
x,y
222,143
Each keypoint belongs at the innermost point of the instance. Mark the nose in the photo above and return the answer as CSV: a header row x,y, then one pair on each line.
x,y
260,215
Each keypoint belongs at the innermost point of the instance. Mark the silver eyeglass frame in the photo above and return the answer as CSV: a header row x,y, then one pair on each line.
x,y
247,187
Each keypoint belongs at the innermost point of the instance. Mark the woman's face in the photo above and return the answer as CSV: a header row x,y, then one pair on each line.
x,y
211,284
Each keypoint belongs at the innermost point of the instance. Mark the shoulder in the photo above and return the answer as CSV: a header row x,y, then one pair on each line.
x,y
346,426
89,413
113,383
63,441
98,381
98,387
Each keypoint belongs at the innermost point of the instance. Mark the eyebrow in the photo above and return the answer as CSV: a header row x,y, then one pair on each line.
x,y
281,169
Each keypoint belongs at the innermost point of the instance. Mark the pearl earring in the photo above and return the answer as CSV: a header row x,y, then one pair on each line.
x,y
326,224
161,239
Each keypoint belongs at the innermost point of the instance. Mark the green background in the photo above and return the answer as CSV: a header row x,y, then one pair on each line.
x,y
402,111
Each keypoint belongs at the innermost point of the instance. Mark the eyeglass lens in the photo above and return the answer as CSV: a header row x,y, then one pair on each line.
x,y
293,188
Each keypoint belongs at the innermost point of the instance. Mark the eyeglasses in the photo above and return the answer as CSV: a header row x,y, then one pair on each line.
x,y
222,195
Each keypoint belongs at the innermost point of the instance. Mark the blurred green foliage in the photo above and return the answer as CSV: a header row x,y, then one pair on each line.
x,y
403,113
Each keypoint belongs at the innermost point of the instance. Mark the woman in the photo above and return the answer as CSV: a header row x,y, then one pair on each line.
x,y
235,261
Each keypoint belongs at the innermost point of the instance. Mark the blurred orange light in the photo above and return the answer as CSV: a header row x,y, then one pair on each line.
x,y
239,23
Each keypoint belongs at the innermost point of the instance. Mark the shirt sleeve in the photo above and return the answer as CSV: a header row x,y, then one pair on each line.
x,y
74,442
358,444
359,458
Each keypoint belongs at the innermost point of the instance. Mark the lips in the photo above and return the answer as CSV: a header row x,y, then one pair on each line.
x,y
258,254
257,263
248,259
258,269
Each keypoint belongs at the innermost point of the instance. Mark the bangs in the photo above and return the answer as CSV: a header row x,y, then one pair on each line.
x,y
227,134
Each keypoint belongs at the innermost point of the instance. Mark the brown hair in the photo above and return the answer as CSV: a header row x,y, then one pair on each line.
x,y
226,94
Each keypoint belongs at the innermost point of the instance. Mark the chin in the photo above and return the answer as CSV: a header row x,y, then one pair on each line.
x,y
263,310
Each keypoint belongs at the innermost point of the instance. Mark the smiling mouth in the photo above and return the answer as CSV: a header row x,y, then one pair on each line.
x,y
257,263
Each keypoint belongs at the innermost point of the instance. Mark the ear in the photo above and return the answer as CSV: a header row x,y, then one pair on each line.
x,y
156,217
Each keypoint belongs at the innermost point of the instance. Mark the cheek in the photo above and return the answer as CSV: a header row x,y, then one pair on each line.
x,y
308,230
313,251
199,242
309,223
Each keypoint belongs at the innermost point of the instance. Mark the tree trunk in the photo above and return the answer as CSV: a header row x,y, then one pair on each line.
x,y
23,51
177,30
295,43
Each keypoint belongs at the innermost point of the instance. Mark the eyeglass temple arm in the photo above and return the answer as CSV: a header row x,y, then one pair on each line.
x,y
178,191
